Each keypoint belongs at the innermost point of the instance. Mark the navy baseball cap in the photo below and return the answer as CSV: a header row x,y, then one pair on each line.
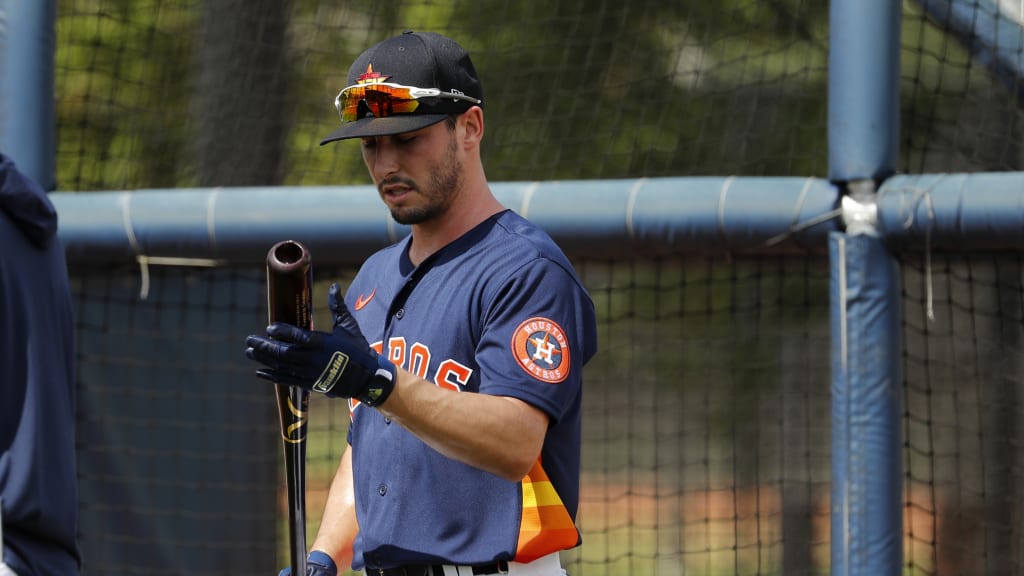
x,y
406,83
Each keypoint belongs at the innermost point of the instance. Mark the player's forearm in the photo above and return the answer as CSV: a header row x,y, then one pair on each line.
x,y
338,527
501,435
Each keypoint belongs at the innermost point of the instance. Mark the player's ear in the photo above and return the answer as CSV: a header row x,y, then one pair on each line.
x,y
472,123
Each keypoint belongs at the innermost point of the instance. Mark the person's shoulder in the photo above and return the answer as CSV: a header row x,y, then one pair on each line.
x,y
27,205
524,245
527,235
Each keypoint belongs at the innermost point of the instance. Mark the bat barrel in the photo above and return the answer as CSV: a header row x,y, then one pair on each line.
x,y
289,256
290,284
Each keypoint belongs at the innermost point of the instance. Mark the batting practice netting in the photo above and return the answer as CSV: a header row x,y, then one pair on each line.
x,y
707,410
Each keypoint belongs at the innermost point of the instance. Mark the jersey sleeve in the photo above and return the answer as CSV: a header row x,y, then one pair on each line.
x,y
538,333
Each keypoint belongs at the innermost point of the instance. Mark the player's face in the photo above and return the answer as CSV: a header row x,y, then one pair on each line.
x,y
418,174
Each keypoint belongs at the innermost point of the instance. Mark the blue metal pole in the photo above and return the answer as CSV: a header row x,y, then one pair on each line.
x,y
863,122
867,521
27,127
990,30
863,85
345,224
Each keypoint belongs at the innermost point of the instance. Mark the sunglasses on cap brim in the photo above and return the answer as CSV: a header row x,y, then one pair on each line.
x,y
385,99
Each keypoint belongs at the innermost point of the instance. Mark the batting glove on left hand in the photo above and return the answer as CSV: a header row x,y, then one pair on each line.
x,y
339,364
317,564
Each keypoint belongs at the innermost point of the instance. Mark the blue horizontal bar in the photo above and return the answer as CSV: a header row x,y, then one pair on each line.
x,y
959,212
343,225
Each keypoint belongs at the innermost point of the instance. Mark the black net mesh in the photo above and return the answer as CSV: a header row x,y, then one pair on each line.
x,y
964,374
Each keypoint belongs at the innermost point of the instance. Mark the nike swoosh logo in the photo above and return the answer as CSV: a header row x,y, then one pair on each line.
x,y
362,301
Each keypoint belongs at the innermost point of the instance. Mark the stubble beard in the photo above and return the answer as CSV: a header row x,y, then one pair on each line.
x,y
445,182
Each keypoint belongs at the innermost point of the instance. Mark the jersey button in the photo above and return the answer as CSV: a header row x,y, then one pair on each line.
x,y
400,313
382,489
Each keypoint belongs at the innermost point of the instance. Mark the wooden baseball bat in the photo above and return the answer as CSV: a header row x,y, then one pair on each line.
x,y
290,300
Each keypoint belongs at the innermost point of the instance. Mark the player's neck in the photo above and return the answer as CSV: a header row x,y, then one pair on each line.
x,y
461,217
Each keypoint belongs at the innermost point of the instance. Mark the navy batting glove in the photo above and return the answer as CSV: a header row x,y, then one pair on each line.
x,y
317,564
342,318
339,364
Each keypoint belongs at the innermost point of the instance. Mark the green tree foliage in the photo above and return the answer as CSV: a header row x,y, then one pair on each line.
x,y
173,93
122,71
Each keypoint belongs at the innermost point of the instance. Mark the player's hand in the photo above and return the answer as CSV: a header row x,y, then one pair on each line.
x,y
339,364
317,564
342,318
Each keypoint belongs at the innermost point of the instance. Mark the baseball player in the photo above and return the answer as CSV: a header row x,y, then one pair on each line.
x,y
38,482
461,348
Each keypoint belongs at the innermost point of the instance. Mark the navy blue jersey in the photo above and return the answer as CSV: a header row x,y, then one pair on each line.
x,y
38,482
499,311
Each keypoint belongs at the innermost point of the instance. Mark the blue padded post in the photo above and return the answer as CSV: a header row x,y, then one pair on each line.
x,y
867,400
27,126
863,138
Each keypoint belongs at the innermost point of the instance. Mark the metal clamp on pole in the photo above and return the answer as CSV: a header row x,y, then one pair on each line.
x,y
859,208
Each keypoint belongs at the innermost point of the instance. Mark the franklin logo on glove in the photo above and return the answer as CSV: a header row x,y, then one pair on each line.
x,y
331,374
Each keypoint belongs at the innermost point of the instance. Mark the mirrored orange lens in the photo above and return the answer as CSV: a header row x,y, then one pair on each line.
x,y
382,101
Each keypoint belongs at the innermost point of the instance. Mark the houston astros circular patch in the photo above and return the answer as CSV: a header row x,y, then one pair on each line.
x,y
542,350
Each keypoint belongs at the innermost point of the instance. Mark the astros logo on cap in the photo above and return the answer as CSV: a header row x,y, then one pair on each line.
x,y
371,77
542,350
